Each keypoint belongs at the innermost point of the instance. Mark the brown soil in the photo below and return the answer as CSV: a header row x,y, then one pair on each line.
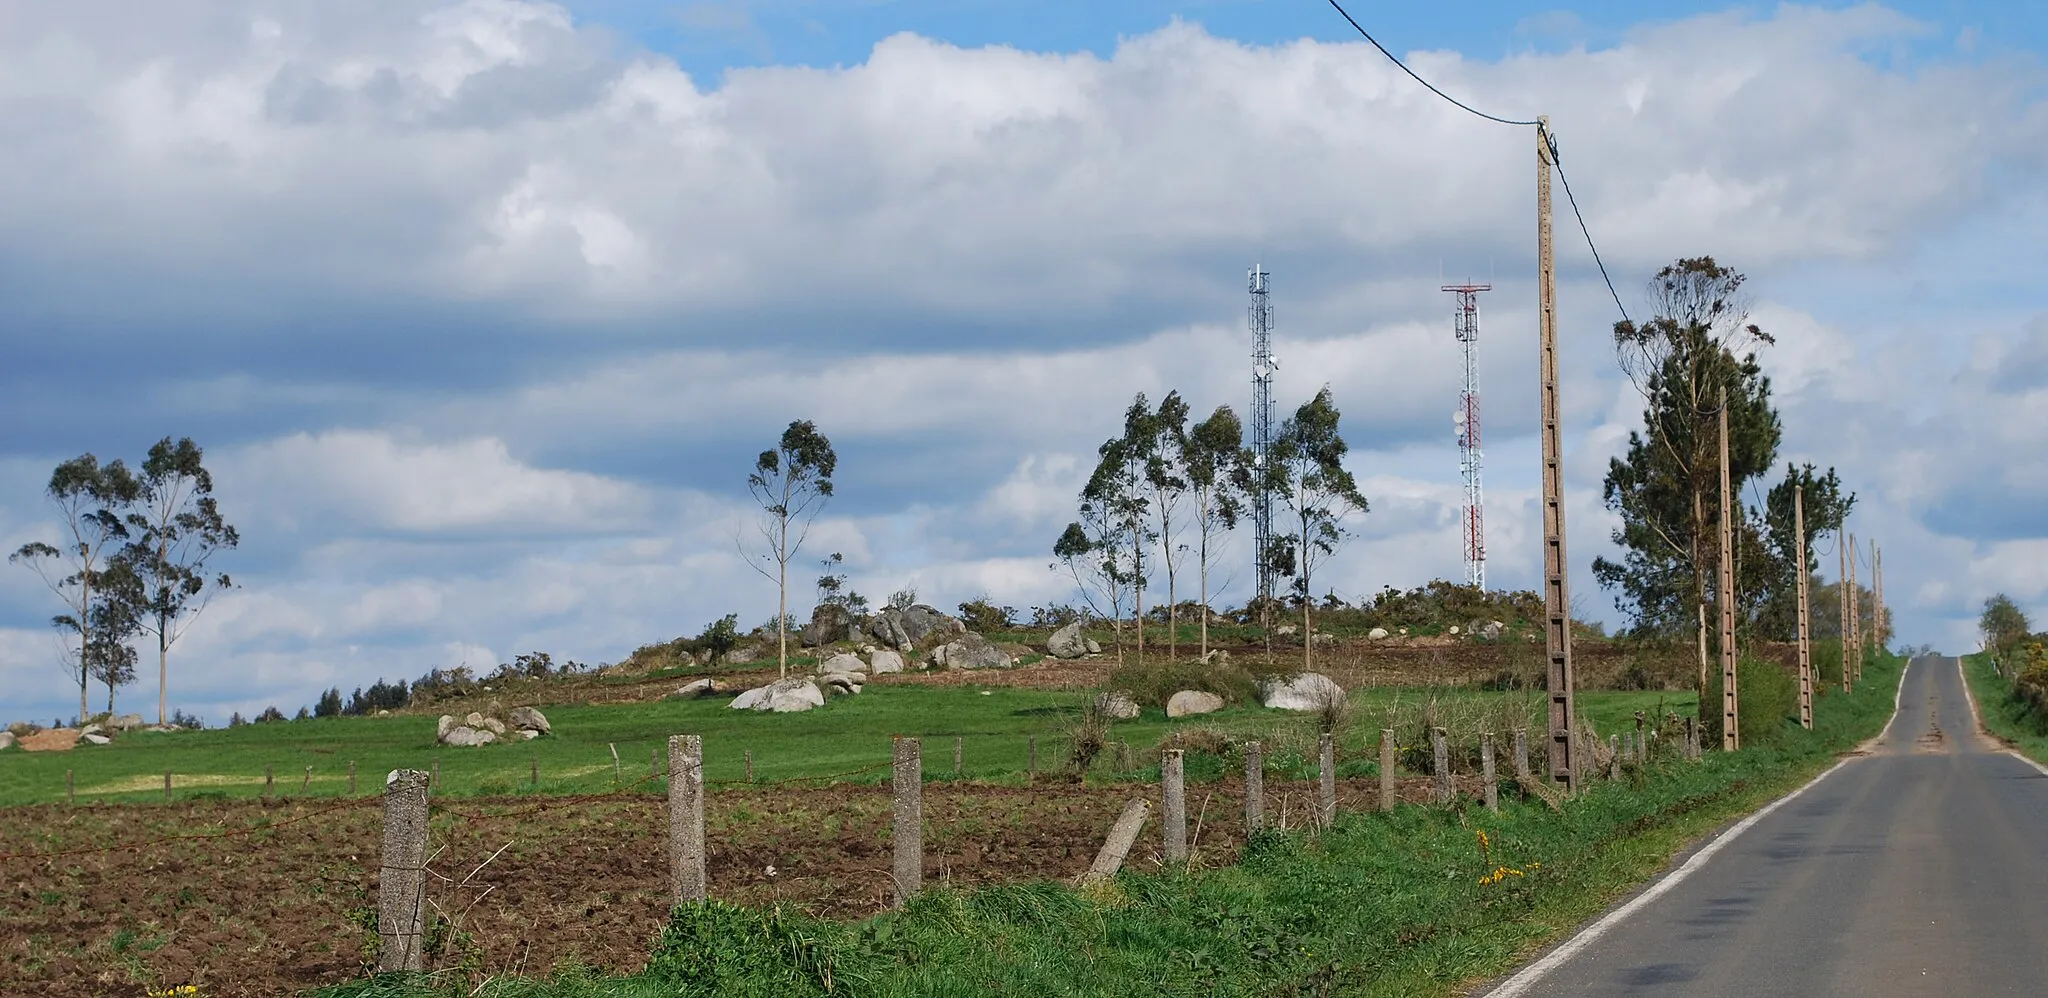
x,y
285,899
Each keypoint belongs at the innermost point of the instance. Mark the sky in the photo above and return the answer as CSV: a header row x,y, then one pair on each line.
x,y
481,309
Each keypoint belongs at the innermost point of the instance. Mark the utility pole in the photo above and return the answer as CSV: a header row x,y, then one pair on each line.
x,y
1855,609
1877,595
1557,605
1842,592
1805,621
1731,735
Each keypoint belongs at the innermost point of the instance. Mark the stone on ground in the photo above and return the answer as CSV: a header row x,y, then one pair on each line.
x,y
1377,633
830,622
1116,705
6,739
841,662
883,660
783,696
529,719
697,688
1285,631
1067,642
972,651
1308,691
96,738
1188,703
464,736
442,727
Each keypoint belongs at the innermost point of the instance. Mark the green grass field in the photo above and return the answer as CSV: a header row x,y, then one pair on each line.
x,y
850,734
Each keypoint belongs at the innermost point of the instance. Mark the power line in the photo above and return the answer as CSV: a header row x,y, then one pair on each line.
x,y
1548,137
1404,68
1574,202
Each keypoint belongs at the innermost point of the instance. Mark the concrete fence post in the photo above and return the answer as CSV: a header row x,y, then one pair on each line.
x,y
402,879
167,786
1254,787
534,772
70,788
351,777
1441,754
686,818
1031,767
1614,757
750,765
1386,770
1522,754
306,787
909,814
1326,780
434,776
654,761
1692,738
1173,791
1122,836
618,775
1491,789
959,754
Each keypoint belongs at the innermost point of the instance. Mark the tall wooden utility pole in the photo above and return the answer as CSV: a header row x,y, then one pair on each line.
x,y
1557,606
1731,735
1842,592
1805,619
1855,610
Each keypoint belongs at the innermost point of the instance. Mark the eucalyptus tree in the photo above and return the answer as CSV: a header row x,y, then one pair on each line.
x,y
1164,442
1307,469
792,483
177,528
90,499
1218,474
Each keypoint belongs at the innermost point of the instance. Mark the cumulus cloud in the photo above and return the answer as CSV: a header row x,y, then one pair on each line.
x,y
482,311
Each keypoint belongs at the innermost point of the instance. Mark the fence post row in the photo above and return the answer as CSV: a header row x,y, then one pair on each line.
x,y
1386,770
401,880
909,817
1173,792
686,817
1254,787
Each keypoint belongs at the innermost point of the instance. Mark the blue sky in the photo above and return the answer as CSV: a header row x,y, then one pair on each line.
x,y
481,307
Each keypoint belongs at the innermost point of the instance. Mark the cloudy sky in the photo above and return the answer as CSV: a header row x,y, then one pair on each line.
x,y
481,308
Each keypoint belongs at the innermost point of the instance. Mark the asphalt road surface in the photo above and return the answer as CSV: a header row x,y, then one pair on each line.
x,y
1918,869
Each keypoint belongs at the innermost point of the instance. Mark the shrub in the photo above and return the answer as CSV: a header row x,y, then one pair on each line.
x,y
1769,697
1153,682
329,704
984,617
717,948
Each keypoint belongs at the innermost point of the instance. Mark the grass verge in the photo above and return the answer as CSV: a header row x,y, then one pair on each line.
x,y
1422,901
2004,715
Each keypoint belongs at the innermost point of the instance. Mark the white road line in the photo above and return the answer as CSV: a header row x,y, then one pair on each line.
x,y
1519,984
1979,720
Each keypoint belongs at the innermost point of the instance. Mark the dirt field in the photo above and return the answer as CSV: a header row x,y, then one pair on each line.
x,y
286,900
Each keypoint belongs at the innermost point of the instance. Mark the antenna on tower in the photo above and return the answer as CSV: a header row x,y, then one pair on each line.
x,y
1263,366
1465,323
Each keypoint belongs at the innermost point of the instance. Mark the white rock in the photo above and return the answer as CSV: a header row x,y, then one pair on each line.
x,y
494,726
843,682
883,660
529,719
782,696
1093,648
126,722
529,734
750,700
697,688
1217,656
464,736
1321,640
1187,703
1116,704
841,662
1377,634
1067,642
1454,629
1308,691
1285,631
96,739
6,739
445,725
972,651
474,720
90,729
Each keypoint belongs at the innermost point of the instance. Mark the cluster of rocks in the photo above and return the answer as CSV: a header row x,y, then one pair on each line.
x,y
103,729
479,728
1119,705
839,675
1067,642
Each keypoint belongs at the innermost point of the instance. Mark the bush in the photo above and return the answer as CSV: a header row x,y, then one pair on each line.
x,y
329,704
1769,697
1153,682
718,637
717,948
983,617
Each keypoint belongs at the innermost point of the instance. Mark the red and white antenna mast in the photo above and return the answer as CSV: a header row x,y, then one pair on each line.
x,y
1465,322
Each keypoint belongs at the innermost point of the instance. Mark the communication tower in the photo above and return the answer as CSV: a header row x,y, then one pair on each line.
x,y
1263,366
1465,323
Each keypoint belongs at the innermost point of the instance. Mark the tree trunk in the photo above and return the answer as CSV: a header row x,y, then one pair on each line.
x,y
84,640
1204,572
1308,631
1138,586
782,598
163,671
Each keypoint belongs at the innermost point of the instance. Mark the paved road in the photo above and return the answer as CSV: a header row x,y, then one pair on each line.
x,y
1919,869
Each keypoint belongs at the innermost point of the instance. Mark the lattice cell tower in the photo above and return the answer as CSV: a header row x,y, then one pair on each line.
x,y
1263,366
1465,322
